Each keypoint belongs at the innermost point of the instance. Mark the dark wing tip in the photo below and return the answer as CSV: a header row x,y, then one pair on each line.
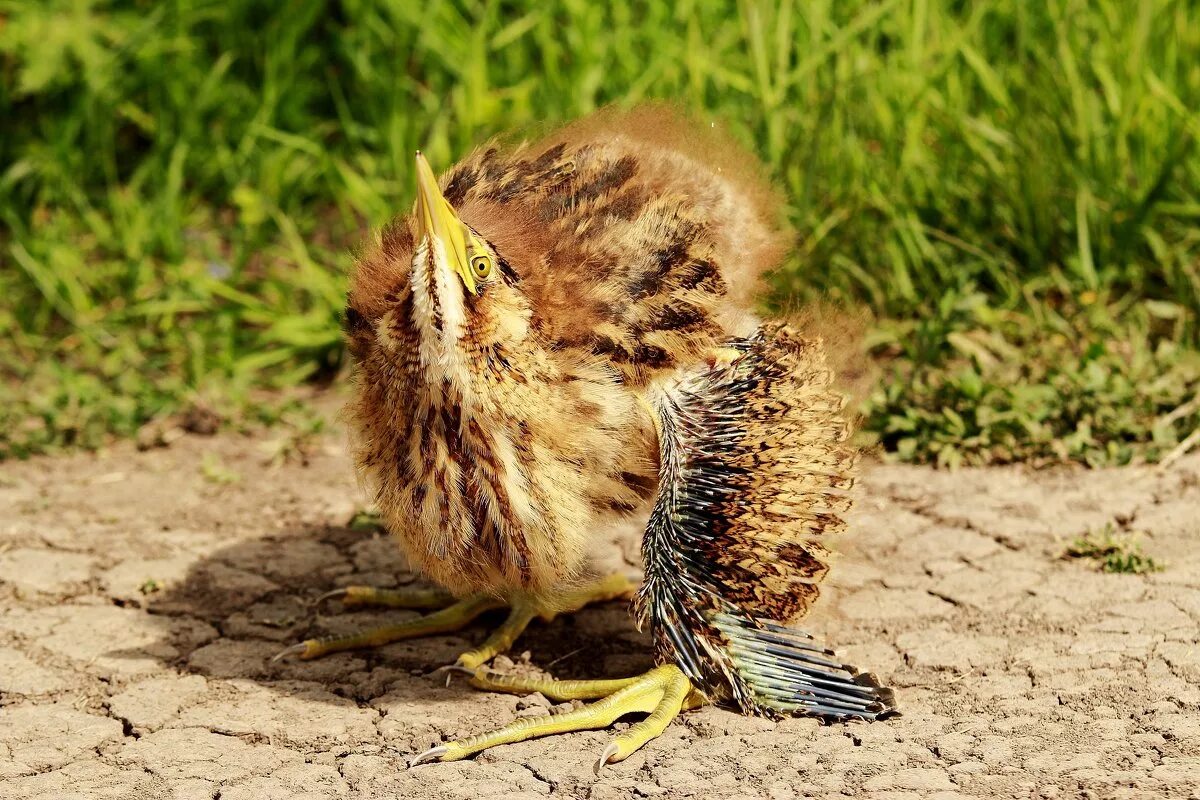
x,y
785,672
885,695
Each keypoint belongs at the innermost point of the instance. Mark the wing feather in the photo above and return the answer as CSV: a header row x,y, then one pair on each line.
x,y
755,473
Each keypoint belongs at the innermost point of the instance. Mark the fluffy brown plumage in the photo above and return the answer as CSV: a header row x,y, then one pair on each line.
x,y
561,335
499,430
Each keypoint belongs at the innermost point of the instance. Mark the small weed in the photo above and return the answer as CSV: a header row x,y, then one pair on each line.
x,y
215,471
1113,551
366,520
299,430
150,586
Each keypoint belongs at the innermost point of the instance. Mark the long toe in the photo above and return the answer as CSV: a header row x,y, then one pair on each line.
x,y
659,693
447,620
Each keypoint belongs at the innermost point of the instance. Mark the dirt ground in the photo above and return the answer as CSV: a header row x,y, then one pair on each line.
x,y
142,594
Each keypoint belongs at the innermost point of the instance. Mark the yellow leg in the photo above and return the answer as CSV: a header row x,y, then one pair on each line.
x,y
610,587
524,608
456,616
452,618
661,693
555,690
501,639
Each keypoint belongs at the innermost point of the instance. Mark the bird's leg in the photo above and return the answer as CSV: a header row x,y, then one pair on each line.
x,y
523,608
452,618
661,693
456,616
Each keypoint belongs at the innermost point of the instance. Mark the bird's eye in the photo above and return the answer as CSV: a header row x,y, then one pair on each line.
x,y
481,265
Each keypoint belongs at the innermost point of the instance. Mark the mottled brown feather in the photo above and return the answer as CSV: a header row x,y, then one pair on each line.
x,y
629,246
793,469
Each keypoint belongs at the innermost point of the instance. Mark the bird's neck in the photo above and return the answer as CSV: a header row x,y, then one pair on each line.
x,y
439,319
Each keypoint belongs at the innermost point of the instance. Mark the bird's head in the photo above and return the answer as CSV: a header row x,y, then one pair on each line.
x,y
438,298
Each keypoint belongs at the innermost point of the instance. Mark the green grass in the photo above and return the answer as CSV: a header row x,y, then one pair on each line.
x,y
1098,384
215,471
1011,188
1113,551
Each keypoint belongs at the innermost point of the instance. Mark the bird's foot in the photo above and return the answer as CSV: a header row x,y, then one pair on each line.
x,y
454,616
661,693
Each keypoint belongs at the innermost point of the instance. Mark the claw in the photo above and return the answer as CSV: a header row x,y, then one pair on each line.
x,y
294,650
432,754
450,669
605,757
330,595
454,668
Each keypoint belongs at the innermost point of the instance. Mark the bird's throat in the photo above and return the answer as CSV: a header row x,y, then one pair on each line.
x,y
439,317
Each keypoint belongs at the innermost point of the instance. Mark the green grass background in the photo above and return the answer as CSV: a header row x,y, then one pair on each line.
x,y
1011,188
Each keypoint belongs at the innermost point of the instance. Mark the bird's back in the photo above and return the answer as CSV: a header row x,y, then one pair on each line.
x,y
651,231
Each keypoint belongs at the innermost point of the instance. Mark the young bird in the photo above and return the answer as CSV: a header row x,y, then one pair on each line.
x,y
561,334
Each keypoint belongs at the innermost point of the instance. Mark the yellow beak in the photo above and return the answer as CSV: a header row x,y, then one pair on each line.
x,y
437,219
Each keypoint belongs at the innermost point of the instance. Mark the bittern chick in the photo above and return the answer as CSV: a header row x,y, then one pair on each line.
x,y
561,335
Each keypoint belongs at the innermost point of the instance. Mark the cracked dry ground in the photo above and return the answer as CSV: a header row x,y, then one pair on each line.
x,y
1019,673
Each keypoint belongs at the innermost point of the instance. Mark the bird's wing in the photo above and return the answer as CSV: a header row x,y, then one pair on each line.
x,y
754,478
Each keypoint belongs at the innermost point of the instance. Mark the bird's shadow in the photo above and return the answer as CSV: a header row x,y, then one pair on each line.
x,y
241,604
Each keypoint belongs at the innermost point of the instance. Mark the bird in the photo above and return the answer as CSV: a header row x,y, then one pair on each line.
x,y
563,333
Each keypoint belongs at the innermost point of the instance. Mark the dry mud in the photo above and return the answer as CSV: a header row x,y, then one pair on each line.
x,y
140,602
